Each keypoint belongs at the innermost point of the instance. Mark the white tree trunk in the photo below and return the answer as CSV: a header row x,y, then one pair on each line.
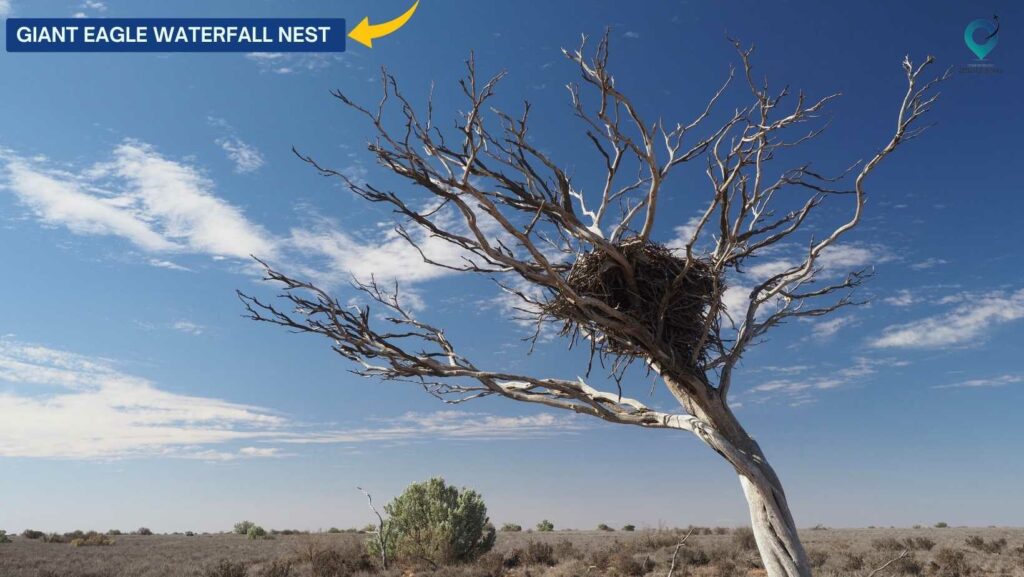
x,y
775,532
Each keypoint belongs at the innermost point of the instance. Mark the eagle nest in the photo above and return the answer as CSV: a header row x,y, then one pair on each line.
x,y
672,306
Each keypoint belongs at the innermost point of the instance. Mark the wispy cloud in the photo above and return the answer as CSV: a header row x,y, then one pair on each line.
x,y
902,298
1000,381
968,323
451,425
825,329
188,327
168,207
58,404
158,204
799,384
928,263
246,157
296,62
5,7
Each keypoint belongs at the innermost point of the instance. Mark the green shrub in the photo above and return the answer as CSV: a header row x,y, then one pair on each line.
x,y
334,530
114,532
242,527
256,532
32,534
941,525
629,527
604,527
545,526
511,528
437,523
3,537
143,531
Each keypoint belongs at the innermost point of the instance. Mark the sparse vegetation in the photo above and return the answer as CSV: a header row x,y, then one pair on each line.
x,y
143,531
994,546
941,525
629,527
32,534
3,537
242,527
511,527
642,552
604,527
256,532
743,537
545,526
438,524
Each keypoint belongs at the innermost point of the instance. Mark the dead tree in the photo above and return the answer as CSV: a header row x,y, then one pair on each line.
x,y
584,263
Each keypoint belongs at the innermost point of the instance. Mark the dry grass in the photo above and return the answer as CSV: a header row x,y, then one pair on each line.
x,y
933,552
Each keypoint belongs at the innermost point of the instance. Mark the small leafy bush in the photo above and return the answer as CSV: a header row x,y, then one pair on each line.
x,y
256,532
334,530
3,537
114,532
941,525
242,527
629,527
434,522
604,527
545,526
511,528
143,531
32,534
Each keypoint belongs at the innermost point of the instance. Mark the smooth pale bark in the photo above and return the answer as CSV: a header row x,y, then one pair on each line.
x,y
775,531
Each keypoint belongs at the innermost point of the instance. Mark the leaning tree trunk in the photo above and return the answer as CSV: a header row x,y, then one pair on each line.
x,y
775,531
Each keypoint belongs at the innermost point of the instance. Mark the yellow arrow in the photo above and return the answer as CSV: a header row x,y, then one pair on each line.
x,y
364,32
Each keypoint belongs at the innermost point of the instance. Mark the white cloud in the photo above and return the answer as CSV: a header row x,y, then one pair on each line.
x,y
294,62
247,158
188,327
999,381
451,425
5,7
928,263
631,34
801,382
902,298
824,329
57,404
160,205
967,323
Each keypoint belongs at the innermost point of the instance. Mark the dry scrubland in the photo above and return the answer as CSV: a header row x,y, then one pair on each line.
x,y
950,552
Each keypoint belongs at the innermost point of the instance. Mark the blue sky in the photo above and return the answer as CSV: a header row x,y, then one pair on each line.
x,y
133,187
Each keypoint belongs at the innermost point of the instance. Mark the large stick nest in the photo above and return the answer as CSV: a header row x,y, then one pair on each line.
x,y
677,303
